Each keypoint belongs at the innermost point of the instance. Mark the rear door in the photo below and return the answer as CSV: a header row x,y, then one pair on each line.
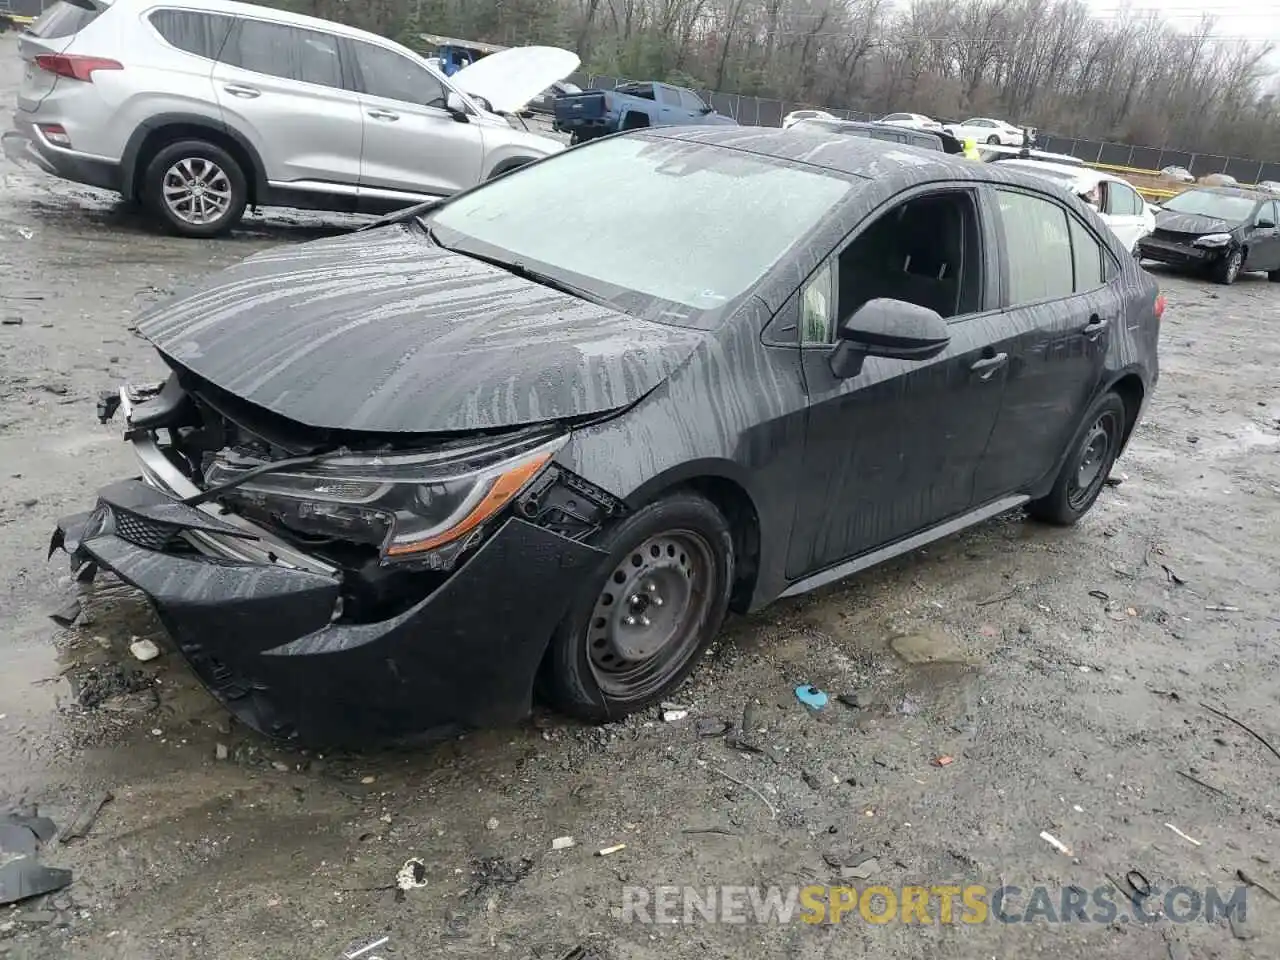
x,y
50,33
1062,300
283,87
412,144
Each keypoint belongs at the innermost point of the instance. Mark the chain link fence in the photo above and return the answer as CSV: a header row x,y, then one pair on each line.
x,y
756,111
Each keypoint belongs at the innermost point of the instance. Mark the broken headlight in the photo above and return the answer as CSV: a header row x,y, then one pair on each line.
x,y
426,507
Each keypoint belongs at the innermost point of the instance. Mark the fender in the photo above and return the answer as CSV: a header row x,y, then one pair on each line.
x,y
129,160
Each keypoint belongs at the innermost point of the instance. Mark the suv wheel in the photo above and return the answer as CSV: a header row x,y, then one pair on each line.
x,y
196,188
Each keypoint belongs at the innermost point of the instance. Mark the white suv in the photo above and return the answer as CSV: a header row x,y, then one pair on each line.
x,y
199,107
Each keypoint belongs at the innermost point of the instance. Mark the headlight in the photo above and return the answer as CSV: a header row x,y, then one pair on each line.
x,y
1212,240
414,506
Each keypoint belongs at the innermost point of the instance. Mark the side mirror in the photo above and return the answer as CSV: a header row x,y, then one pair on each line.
x,y
893,329
706,109
456,106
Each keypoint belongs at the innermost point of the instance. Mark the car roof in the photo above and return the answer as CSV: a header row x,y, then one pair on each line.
x,y
277,15
1084,176
860,157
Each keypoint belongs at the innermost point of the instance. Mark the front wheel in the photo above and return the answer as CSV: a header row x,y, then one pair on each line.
x,y
993,139
1093,452
196,188
1228,268
637,626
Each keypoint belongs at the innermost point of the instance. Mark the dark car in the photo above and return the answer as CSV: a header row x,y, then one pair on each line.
x,y
925,139
396,477
1225,231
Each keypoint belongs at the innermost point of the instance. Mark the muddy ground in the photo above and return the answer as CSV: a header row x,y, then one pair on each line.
x,y
1065,675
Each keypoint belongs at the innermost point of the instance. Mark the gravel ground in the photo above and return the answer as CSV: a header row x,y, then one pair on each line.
x,y
1062,671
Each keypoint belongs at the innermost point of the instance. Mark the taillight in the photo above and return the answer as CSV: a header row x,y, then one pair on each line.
x,y
1159,306
75,67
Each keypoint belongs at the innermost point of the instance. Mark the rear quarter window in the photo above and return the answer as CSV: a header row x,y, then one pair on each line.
x,y
200,33
64,20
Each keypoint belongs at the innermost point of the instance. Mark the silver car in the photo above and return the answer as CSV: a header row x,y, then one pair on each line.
x,y
198,108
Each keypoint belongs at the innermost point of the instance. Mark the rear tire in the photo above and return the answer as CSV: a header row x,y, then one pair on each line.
x,y
1226,270
195,188
1274,276
993,139
1090,457
641,620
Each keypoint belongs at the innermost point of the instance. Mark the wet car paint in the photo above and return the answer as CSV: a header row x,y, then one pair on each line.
x,y
736,417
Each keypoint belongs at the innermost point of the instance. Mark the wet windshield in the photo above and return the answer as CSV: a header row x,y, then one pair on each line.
x,y
1220,206
667,230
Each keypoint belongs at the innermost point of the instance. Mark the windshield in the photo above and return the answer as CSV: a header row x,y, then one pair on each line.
x,y
666,230
1220,206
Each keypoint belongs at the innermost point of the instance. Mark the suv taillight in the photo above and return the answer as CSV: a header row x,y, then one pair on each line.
x,y
74,66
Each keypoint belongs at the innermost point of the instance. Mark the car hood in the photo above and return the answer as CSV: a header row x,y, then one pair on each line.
x,y
1192,224
383,331
511,78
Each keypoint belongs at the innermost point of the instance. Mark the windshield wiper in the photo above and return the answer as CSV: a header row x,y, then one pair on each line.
x,y
518,268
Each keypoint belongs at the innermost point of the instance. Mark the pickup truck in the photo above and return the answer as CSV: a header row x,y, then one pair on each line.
x,y
595,113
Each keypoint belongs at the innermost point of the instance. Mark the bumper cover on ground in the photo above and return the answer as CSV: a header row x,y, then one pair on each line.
x,y
261,637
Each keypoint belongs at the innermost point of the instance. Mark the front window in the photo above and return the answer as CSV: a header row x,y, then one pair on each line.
x,y
666,230
1205,203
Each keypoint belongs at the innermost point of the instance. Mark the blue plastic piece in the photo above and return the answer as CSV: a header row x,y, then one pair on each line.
x,y
811,696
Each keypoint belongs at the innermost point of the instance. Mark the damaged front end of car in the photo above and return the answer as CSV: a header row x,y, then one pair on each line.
x,y
339,587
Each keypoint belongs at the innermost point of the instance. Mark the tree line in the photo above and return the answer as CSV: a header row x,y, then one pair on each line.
x,y
1127,77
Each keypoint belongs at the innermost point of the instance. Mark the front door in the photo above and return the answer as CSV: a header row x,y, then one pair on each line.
x,y
412,144
1061,302
1264,240
283,88
895,449
1123,212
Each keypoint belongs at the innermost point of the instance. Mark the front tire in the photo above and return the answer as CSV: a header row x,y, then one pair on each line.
x,y
1093,452
1227,269
640,622
993,139
195,188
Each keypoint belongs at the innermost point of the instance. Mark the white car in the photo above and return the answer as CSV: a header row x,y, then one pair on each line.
x,y
1119,205
795,116
1181,174
986,130
911,120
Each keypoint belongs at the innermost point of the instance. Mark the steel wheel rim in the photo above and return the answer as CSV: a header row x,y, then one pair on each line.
x,y
197,191
1092,461
648,615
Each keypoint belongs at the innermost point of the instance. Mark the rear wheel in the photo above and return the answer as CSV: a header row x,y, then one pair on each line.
x,y
1093,452
637,626
993,139
1228,268
1274,276
196,188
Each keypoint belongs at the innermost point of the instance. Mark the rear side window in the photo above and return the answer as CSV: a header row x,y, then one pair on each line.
x,y
1038,245
200,33
286,52
385,73
1087,255
64,20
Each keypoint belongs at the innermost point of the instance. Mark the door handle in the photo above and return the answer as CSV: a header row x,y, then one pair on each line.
x,y
239,90
1095,327
384,115
988,366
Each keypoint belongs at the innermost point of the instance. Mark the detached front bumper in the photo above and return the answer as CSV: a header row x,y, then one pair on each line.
x,y
260,623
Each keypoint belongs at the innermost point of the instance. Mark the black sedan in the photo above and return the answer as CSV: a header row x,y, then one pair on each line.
x,y
528,438
1225,231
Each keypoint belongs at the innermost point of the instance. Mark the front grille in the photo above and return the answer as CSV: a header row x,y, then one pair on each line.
x,y
1169,236
142,531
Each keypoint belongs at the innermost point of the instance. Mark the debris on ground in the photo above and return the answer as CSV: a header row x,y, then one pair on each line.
x,y
22,876
1054,842
220,751
773,811
144,650
101,682
811,696
491,871
670,716
491,823
712,727
1183,835
1221,608
84,819
67,615
413,875
606,851
943,761
563,843
851,700
1247,729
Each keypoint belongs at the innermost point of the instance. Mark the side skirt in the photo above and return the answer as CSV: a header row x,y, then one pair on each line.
x,y
914,542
